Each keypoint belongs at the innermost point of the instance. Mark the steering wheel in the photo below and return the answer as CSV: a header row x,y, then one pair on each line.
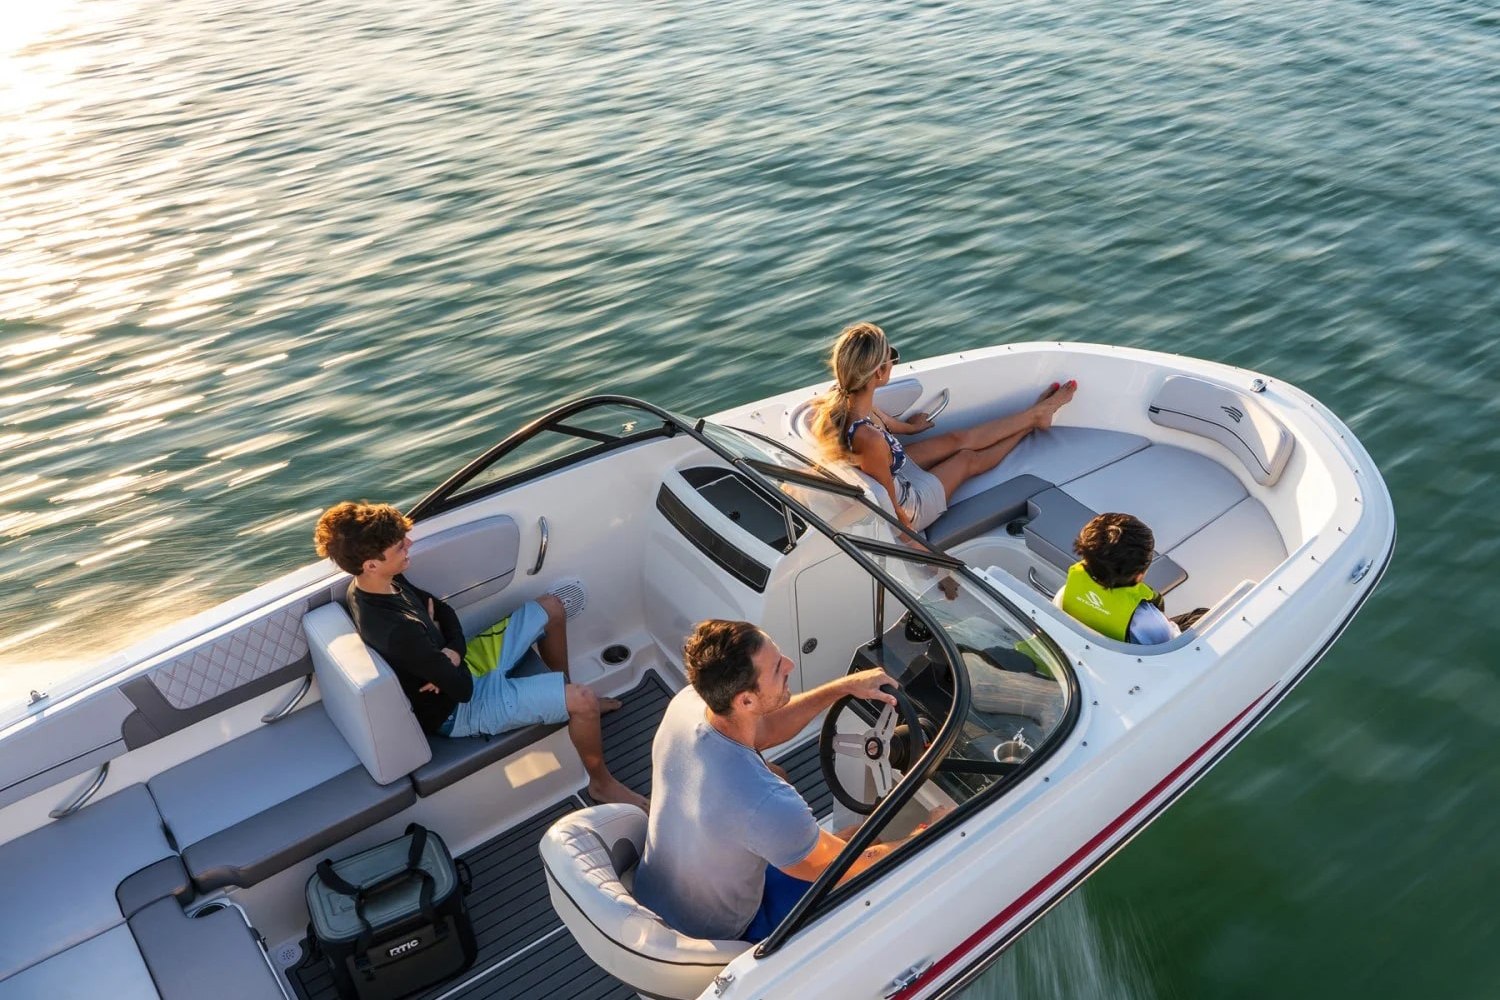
x,y
883,747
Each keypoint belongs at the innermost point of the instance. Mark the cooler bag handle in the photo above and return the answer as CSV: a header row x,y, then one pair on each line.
x,y
414,852
363,893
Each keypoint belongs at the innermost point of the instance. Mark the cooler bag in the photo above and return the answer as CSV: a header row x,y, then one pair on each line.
x,y
391,920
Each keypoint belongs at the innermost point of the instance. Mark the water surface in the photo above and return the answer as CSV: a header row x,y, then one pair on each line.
x,y
259,257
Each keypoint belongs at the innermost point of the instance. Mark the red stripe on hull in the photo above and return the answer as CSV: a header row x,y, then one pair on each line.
x,y
1030,896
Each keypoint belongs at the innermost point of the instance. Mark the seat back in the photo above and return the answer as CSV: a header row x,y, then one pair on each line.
x,y
363,697
587,856
1235,419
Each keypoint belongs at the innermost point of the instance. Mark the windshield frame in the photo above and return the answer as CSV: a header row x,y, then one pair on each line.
x,y
825,893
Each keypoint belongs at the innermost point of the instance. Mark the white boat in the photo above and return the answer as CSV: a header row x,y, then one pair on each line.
x,y
151,817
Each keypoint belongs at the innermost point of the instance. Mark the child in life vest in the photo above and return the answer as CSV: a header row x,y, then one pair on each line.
x,y
1106,589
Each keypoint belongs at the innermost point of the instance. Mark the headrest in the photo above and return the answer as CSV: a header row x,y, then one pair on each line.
x,y
363,697
1235,419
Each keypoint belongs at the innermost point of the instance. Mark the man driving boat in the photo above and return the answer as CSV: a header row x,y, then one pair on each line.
x,y
730,844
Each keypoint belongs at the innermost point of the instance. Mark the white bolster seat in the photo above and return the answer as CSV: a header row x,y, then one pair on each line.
x,y
363,697
588,857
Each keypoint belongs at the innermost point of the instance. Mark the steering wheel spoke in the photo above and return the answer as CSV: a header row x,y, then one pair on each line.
x,y
849,745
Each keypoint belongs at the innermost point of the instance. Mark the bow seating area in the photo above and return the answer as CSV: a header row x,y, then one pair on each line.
x,y
1211,533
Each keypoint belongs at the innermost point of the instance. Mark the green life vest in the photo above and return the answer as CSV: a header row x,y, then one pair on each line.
x,y
1105,610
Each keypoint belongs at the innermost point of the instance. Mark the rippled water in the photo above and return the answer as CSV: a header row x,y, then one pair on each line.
x,y
258,257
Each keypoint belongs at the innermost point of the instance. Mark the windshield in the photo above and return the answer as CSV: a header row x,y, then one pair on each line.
x,y
1019,691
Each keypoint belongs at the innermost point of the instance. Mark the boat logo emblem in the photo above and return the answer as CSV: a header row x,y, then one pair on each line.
x,y
872,747
1234,414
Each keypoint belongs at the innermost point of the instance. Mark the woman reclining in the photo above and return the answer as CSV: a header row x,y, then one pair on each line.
x,y
922,476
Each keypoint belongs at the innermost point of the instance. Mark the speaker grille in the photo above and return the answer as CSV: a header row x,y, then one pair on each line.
x,y
573,597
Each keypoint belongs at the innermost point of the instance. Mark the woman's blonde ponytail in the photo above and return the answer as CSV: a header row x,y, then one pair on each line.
x,y
857,357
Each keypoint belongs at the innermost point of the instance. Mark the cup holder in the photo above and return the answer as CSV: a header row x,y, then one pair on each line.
x,y
207,908
1011,752
615,654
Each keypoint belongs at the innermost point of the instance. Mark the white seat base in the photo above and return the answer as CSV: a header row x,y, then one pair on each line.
x,y
622,937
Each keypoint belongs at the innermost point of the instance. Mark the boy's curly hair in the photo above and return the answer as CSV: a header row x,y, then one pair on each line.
x,y
349,533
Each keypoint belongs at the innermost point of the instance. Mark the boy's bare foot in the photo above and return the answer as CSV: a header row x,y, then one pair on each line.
x,y
611,790
607,705
1054,399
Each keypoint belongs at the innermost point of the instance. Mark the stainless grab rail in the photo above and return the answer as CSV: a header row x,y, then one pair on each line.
x,y
82,800
1036,581
295,700
541,549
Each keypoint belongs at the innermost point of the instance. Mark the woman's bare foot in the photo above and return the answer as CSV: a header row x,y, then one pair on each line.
x,y
1054,399
611,790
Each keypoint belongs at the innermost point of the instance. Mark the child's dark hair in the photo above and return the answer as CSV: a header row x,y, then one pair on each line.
x,y
1116,548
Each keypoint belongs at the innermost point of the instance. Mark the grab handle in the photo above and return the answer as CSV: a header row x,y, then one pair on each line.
x,y
938,405
541,549
82,800
1036,581
295,700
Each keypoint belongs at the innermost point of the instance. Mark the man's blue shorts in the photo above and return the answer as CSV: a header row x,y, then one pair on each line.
x,y
780,895
501,702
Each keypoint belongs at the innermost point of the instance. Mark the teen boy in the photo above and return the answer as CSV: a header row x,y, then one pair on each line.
x,y
458,687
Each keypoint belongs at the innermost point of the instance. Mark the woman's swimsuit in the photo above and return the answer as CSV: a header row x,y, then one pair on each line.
x,y
898,453
898,456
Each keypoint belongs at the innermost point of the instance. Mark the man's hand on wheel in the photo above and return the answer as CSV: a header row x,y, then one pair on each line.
x,y
867,683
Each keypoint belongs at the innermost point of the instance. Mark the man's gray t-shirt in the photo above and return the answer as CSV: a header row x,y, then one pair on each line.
x,y
718,817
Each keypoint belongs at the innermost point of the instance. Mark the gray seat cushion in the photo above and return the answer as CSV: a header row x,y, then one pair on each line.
x,y
212,955
1056,519
278,837
270,798
984,512
1173,490
60,879
1059,455
455,759
1235,419
106,965
1240,544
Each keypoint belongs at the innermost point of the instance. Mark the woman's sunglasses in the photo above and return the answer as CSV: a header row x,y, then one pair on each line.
x,y
895,354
